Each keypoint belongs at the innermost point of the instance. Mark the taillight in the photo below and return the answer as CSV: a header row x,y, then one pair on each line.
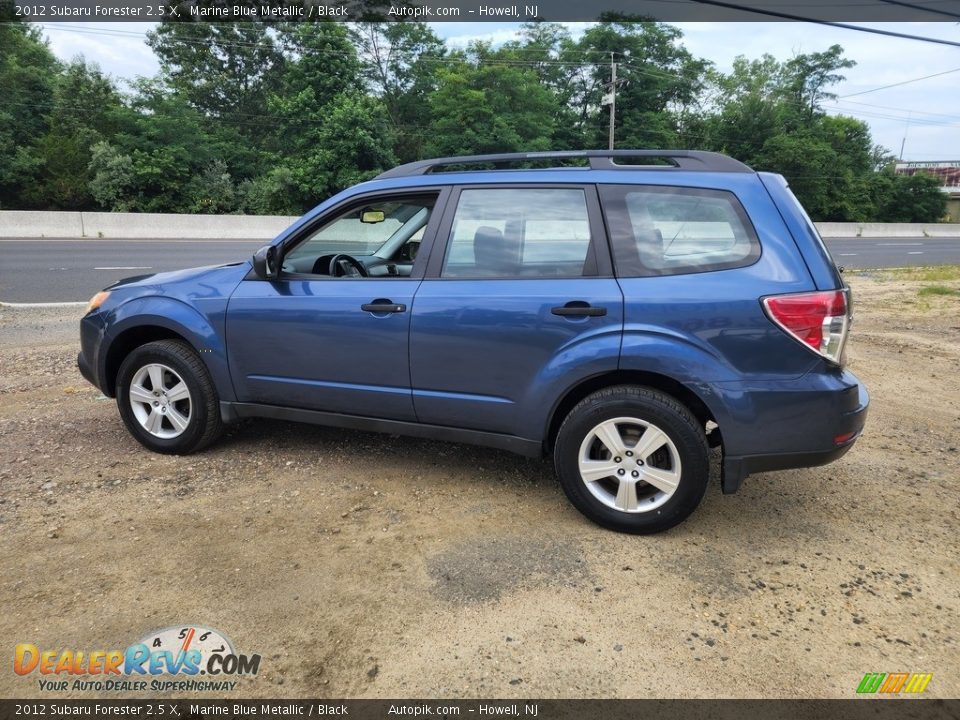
x,y
819,320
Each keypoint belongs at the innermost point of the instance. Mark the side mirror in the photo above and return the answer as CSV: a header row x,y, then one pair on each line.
x,y
265,262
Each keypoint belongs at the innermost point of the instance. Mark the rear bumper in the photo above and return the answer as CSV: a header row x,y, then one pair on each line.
x,y
827,434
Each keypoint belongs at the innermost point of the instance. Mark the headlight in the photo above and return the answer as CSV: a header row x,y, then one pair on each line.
x,y
97,300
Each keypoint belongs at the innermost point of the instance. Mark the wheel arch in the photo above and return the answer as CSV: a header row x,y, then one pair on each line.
x,y
126,342
681,392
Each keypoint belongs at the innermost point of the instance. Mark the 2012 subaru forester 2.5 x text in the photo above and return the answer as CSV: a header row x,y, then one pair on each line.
x,y
623,316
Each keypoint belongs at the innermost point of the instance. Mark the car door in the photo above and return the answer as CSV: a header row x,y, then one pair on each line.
x,y
518,303
339,344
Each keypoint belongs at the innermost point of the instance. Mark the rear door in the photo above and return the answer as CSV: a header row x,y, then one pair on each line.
x,y
518,295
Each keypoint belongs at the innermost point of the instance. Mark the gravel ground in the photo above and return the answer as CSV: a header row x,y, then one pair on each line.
x,y
361,565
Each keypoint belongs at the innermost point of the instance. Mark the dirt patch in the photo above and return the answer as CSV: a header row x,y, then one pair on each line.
x,y
482,570
363,565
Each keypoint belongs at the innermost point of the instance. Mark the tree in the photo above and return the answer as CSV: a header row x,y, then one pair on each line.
x,y
28,71
225,71
806,78
112,177
913,198
483,106
400,63
657,78
84,110
338,144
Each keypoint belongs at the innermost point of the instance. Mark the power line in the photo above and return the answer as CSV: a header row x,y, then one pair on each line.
x,y
899,109
828,23
921,7
898,84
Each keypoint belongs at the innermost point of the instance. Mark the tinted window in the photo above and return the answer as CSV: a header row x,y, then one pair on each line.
x,y
666,231
519,233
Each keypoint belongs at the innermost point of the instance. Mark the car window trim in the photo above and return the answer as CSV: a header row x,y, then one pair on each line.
x,y
598,251
442,194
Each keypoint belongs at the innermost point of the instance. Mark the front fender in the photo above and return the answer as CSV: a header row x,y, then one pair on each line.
x,y
202,330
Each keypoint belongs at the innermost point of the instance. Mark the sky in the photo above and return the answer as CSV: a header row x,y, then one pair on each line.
x,y
923,117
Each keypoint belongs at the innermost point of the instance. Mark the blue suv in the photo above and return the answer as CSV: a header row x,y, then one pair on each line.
x,y
622,311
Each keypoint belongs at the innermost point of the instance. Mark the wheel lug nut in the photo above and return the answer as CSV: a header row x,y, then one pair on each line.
x,y
629,453
617,459
155,403
639,462
621,471
635,473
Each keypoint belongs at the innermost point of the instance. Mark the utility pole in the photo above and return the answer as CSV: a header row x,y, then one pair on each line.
x,y
613,99
905,131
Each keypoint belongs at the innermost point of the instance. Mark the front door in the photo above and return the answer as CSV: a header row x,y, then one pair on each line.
x,y
332,332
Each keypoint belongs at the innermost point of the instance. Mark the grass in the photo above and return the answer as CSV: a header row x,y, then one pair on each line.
x,y
934,273
938,290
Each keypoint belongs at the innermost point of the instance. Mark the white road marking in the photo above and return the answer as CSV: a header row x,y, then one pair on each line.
x,y
79,303
848,254
915,252
126,267
897,244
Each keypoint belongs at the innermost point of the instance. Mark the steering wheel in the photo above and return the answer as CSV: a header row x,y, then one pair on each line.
x,y
338,270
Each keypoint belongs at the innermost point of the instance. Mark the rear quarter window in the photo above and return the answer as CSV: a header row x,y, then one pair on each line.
x,y
658,230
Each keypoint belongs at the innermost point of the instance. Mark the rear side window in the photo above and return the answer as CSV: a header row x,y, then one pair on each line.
x,y
520,232
670,230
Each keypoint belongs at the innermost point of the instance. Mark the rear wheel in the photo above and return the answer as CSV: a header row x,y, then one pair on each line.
x,y
632,459
167,399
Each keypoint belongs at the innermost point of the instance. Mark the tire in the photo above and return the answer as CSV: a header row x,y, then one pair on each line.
x,y
632,419
167,399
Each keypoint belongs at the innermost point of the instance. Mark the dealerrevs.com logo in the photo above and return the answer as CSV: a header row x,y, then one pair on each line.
x,y
182,658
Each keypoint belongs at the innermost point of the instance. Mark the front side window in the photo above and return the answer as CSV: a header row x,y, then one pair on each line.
x,y
519,232
381,235
669,230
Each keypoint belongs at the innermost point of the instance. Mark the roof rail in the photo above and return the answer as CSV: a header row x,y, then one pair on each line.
x,y
698,160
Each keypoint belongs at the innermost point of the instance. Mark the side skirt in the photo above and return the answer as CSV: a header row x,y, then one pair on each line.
x,y
233,411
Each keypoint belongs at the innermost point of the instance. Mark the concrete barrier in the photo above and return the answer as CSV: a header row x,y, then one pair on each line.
x,y
30,224
26,223
146,225
838,230
888,230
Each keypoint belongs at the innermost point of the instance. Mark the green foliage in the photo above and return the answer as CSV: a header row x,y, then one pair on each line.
x,y
253,118
28,71
913,198
400,63
483,107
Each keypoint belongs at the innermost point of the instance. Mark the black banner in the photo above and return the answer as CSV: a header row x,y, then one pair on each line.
x,y
854,709
475,10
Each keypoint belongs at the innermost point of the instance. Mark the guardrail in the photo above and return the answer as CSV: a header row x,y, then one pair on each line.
x,y
49,224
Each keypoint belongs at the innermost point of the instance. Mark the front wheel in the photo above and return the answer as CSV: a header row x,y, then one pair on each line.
x,y
632,459
167,399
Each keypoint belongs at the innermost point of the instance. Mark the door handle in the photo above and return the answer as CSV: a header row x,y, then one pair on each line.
x,y
383,307
578,308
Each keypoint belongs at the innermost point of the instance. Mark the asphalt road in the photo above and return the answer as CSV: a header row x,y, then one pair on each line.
x,y
72,270
36,271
